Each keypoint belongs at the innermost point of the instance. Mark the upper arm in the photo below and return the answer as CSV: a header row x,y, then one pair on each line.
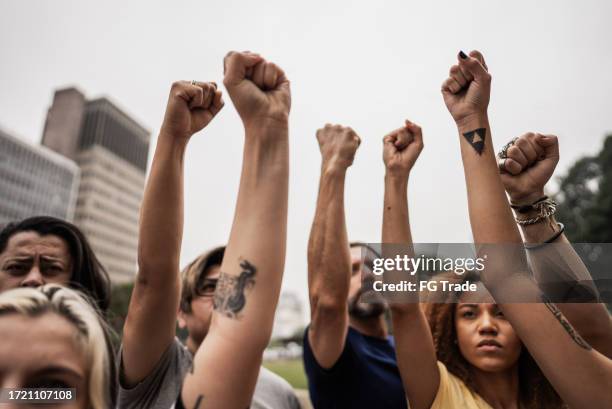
x,y
416,355
149,329
327,331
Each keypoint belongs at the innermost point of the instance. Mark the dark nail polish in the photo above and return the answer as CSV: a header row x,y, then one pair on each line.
x,y
462,55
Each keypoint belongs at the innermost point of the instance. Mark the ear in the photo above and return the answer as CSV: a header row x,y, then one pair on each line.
x,y
181,319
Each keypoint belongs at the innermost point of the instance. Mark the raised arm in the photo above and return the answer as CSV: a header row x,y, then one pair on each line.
x,y
329,263
416,355
150,324
528,163
227,363
581,376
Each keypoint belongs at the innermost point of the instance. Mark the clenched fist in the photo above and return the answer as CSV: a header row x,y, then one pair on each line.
x,y
401,148
191,106
259,89
467,89
338,145
531,161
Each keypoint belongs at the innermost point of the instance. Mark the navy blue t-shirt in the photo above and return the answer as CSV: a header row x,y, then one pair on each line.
x,y
365,376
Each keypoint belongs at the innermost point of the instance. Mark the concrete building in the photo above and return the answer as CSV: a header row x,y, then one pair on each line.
x,y
111,149
35,181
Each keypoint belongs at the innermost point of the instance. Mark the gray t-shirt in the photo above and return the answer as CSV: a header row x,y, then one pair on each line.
x,y
162,387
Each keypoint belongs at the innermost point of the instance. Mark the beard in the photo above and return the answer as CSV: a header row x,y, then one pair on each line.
x,y
367,303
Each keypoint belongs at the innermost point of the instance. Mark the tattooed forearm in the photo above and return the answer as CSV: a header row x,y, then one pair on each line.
x,y
198,402
230,296
476,138
567,326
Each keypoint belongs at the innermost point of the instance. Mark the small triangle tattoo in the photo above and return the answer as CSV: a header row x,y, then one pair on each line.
x,y
476,138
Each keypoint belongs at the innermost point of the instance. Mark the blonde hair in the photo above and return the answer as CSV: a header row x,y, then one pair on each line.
x,y
91,327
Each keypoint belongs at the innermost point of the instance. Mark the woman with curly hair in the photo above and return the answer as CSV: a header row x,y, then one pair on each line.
x,y
475,344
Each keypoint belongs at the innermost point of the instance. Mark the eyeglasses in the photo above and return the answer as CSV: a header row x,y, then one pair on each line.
x,y
206,287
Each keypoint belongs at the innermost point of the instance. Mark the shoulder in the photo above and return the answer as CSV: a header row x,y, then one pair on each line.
x,y
273,391
453,392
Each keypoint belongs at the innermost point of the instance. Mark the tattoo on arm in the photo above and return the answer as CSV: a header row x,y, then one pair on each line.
x,y
476,138
567,326
230,296
198,402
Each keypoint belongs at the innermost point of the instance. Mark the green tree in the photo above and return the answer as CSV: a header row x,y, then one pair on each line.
x,y
585,207
585,198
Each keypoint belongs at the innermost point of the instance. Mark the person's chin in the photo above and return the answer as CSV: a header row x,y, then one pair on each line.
x,y
493,364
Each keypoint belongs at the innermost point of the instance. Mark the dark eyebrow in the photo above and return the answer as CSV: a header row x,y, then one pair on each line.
x,y
468,306
59,370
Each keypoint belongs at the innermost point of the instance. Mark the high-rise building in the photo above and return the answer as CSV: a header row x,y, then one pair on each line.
x,y
111,149
35,181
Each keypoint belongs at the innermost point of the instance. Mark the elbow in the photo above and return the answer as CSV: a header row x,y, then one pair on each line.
x,y
327,306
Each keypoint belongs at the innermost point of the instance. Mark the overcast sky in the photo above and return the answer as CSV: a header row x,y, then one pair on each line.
x,y
368,64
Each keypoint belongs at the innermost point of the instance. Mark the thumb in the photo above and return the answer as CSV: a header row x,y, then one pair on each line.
x,y
235,66
417,133
550,143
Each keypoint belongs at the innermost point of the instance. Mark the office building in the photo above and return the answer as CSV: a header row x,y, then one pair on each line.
x,y
35,181
111,150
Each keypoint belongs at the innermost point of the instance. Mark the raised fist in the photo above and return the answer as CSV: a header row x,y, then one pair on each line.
x,y
191,106
401,148
338,145
467,89
526,164
259,89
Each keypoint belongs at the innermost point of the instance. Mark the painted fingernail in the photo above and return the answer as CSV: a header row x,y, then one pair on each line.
x,y
462,55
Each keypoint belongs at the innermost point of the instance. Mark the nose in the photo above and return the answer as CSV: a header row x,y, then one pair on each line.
x,y
34,278
487,325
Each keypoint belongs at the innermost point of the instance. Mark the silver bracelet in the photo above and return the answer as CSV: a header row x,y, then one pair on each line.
x,y
545,209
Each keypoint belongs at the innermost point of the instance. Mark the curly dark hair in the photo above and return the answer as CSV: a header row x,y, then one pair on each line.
x,y
88,274
535,392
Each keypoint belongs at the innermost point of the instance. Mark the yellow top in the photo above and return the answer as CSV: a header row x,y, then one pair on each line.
x,y
452,393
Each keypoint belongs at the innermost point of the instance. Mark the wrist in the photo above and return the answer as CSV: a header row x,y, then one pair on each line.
x,y
275,123
172,142
526,198
396,177
333,169
473,121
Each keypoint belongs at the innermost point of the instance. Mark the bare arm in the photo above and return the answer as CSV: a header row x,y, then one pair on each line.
x,y
157,288
329,263
227,363
580,375
416,355
529,164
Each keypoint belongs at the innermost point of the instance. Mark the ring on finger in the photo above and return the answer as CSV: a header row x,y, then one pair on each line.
x,y
503,153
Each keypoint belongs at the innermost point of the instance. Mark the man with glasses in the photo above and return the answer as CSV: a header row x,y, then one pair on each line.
x,y
199,280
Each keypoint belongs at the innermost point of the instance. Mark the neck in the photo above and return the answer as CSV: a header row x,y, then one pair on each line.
x,y
192,346
498,389
373,327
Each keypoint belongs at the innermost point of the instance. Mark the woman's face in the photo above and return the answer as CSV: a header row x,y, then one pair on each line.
x,y
42,352
486,340
32,260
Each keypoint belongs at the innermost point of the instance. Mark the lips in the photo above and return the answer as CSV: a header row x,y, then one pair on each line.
x,y
489,345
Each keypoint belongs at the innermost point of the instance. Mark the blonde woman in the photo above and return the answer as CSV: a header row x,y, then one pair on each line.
x,y
53,338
